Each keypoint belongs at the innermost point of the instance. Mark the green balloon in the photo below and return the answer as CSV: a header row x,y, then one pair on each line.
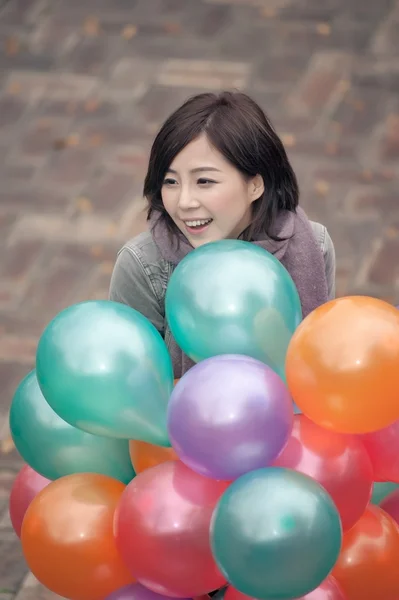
x,y
275,533
105,369
54,448
233,297
381,490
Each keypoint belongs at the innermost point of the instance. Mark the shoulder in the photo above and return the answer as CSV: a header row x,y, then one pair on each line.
x,y
142,247
322,236
138,260
326,245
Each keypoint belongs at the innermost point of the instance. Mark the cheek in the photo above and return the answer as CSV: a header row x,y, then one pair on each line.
x,y
168,200
231,202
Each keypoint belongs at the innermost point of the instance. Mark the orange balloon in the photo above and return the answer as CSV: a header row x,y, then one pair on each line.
x,y
342,365
67,537
144,455
367,567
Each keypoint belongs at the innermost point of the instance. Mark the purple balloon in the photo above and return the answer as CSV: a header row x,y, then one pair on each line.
x,y
136,591
228,415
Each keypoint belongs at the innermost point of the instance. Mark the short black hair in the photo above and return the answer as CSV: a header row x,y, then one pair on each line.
x,y
240,130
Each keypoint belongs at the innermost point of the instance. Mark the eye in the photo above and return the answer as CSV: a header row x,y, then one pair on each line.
x,y
205,181
169,181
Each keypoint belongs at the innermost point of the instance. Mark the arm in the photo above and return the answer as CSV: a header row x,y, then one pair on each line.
x,y
131,285
329,262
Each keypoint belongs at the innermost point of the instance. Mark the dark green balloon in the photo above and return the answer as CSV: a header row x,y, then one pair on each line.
x,y
54,448
275,534
381,490
104,368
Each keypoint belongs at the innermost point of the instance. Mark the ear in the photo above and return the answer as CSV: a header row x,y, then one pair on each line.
x,y
256,188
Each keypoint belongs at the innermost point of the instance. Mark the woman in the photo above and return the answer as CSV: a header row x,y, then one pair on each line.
x,y
218,170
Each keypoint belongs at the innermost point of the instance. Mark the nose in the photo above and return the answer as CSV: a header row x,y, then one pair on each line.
x,y
187,199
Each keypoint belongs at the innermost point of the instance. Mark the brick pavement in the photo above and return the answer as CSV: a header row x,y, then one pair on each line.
x,y
83,87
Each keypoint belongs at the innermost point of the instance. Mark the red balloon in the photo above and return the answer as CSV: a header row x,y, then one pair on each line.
x,y
391,505
328,590
26,486
367,567
337,461
162,527
383,449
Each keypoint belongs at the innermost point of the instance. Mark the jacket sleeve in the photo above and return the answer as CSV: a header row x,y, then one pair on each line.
x,y
329,263
131,285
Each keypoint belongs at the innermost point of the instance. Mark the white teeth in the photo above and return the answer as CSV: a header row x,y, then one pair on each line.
x,y
198,223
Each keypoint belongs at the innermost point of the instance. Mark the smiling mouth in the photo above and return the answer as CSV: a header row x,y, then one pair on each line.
x,y
197,223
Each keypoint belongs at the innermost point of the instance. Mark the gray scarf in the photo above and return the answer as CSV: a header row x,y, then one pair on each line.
x,y
298,252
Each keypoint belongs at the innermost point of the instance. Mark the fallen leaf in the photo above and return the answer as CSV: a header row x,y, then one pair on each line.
x,y
322,187
96,140
7,445
129,32
14,88
107,267
288,140
392,232
12,46
84,205
172,28
323,29
96,250
91,26
73,139
91,105
59,144
331,148
268,12
112,229
367,175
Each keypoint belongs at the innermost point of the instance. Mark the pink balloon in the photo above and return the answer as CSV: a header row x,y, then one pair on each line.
x,y
391,505
162,530
26,486
328,590
383,449
337,461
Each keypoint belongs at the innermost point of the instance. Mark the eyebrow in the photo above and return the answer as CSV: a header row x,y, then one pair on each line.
x,y
197,170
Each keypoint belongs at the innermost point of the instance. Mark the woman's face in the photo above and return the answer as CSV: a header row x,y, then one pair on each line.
x,y
206,196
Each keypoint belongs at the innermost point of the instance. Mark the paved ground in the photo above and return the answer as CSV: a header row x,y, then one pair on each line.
x,y
83,86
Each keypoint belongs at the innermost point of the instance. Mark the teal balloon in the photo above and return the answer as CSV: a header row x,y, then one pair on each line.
x,y
381,491
54,448
275,533
105,369
233,297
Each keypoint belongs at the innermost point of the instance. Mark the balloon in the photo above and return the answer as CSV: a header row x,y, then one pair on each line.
x,y
26,486
104,368
162,530
383,449
338,462
328,590
342,365
275,533
67,537
229,415
233,297
144,455
136,591
390,505
54,448
367,567
381,490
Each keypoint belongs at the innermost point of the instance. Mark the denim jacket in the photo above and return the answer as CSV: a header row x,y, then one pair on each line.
x,y
140,276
